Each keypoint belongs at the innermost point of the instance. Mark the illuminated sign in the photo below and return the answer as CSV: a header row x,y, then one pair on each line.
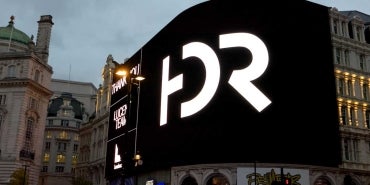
x,y
240,79
229,83
265,176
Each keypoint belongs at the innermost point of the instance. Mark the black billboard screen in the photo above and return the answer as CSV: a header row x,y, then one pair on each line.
x,y
229,83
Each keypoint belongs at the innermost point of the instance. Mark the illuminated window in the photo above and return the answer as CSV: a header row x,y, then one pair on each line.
x,y
74,159
46,157
48,135
61,158
218,180
63,135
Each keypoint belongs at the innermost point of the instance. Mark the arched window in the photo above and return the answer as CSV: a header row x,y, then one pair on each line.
x,y
29,133
189,181
322,181
218,179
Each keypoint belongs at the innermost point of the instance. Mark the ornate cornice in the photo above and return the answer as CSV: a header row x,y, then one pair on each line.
x,y
24,82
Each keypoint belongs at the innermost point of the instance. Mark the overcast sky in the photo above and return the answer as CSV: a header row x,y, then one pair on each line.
x,y
85,32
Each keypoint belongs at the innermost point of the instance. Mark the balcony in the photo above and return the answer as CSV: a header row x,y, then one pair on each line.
x,y
27,155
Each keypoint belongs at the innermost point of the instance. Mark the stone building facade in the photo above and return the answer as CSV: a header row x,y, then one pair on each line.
x,y
25,77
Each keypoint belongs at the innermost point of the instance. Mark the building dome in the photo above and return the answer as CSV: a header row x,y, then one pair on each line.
x,y
11,32
66,102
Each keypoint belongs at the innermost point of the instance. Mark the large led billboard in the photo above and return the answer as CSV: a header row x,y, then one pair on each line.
x,y
228,82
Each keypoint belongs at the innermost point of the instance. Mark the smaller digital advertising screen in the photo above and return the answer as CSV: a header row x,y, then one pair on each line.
x,y
227,82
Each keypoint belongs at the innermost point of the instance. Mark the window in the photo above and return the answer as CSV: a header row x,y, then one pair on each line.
x,y
29,132
356,151
65,123
66,112
346,57
62,146
343,114
346,149
50,122
349,88
47,146
61,158
63,135
37,75
335,27
48,135
341,86
358,33
44,169
365,91
11,71
2,99
1,119
367,122
33,104
46,157
75,147
351,149
362,62
352,116
338,55
74,159
76,138
59,169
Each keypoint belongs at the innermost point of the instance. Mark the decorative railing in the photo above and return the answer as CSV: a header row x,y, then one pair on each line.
x,y
26,154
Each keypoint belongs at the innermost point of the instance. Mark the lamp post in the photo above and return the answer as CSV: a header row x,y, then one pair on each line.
x,y
137,156
24,174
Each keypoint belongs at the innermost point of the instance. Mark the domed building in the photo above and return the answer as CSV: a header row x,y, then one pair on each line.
x,y
61,143
25,77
